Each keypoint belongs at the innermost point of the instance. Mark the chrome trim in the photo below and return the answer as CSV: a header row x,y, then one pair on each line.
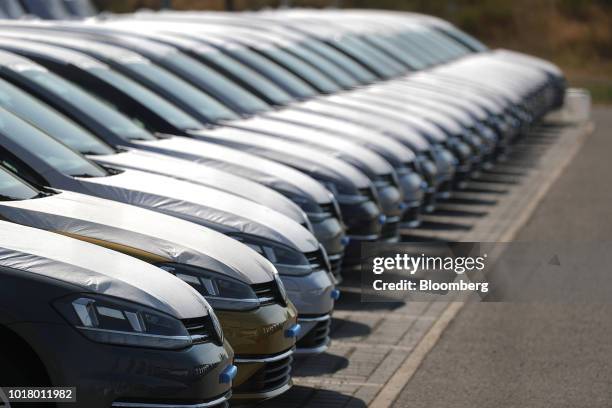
x,y
264,394
335,257
157,336
239,360
372,237
411,224
314,350
323,318
392,219
147,405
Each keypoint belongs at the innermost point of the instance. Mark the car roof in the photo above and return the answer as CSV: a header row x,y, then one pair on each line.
x,y
50,52
84,44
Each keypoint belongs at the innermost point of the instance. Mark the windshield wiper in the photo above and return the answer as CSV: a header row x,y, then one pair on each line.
x,y
8,198
84,175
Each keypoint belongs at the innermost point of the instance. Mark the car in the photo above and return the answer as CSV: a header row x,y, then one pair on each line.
x,y
312,291
362,212
323,213
306,158
67,306
277,73
251,275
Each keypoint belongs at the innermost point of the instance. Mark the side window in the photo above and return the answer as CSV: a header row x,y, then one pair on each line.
x,y
10,162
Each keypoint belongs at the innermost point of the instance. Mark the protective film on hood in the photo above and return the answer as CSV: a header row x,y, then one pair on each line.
x,y
359,134
97,270
204,175
403,132
266,172
353,153
202,205
304,158
169,238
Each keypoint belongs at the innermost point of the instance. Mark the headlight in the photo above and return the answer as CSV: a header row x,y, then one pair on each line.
x,y
112,321
344,197
221,292
287,261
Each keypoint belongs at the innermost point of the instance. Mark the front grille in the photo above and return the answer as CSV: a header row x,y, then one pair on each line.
x,y
386,180
390,230
267,293
368,192
317,337
268,378
316,260
201,330
328,209
335,262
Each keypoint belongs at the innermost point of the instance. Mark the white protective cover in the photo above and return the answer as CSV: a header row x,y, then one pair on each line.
x,y
263,171
309,159
328,143
170,238
202,205
97,270
368,138
204,175
393,128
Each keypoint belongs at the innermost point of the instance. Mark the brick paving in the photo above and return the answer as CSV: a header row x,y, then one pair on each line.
x,y
372,340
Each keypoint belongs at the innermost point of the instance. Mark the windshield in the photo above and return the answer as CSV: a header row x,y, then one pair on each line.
x,y
387,45
56,155
147,98
217,83
12,188
411,44
50,121
377,57
288,81
303,70
464,38
341,60
260,83
204,105
325,65
70,93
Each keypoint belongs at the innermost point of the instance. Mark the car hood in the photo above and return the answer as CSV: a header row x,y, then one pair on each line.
x,y
461,109
170,238
431,83
202,205
362,158
397,110
371,139
400,131
97,270
204,175
263,171
306,159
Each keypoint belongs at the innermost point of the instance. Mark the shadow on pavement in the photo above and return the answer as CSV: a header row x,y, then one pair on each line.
x,y
320,364
300,396
342,329
352,301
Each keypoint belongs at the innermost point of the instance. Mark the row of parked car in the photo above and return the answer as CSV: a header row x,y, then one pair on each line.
x,y
181,192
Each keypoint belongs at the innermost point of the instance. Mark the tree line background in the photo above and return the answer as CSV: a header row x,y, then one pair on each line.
x,y
575,34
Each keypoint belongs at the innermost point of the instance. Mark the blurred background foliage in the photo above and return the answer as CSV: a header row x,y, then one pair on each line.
x,y
575,34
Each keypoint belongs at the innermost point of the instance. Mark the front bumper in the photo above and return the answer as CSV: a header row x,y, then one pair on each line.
x,y
364,223
258,337
316,338
108,375
269,376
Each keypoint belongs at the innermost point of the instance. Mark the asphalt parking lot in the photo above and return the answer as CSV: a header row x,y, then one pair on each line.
x,y
388,353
